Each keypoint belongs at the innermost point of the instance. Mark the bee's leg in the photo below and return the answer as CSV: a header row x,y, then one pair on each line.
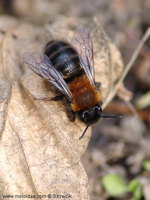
x,y
55,98
98,85
71,114
58,97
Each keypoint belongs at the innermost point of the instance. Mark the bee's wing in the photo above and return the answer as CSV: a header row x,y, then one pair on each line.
x,y
83,44
41,65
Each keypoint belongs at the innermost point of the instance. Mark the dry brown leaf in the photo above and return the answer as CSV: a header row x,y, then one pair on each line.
x,y
40,148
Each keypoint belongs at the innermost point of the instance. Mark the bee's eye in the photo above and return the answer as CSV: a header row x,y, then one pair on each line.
x,y
97,109
85,114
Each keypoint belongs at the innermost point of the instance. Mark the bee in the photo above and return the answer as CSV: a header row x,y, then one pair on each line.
x,y
70,68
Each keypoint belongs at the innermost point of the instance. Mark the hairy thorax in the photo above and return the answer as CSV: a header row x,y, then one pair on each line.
x,y
84,94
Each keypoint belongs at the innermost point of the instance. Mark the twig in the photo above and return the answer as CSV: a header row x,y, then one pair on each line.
x,y
128,67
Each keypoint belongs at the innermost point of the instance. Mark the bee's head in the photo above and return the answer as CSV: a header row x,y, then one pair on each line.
x,y
90,116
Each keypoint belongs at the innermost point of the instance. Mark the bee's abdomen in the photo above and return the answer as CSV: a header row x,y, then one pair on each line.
x,y
63,57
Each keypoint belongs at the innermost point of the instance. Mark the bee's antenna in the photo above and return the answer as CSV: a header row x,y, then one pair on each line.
x,y
104,116
84,132
111,116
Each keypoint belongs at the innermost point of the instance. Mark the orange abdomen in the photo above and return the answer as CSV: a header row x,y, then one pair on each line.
x,y
84,94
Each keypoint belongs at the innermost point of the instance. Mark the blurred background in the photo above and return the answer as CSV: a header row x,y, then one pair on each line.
x,y
117,160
